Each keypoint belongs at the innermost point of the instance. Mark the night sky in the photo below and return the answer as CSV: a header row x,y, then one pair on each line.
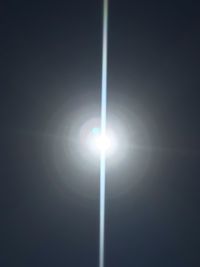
x,y
50,74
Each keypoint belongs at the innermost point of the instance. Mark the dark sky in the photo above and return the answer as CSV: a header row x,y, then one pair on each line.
x,y
50,70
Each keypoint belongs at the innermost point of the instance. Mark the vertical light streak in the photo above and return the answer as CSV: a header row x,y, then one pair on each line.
x,y
103,132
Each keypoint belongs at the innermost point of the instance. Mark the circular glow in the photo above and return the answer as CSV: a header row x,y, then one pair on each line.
x,y
102,143
99,143
92,142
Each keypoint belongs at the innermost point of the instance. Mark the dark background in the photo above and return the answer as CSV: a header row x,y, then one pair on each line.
x,y
50,54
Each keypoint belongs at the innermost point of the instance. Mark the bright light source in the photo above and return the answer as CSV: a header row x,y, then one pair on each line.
x,y
101,143
94,142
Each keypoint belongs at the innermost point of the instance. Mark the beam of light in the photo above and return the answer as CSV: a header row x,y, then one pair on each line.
x,y
103,133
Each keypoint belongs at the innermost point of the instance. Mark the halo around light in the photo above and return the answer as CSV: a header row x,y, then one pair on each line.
x,y
98,143
92,142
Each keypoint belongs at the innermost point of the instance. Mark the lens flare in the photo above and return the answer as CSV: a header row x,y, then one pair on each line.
x,y
99,142
103,143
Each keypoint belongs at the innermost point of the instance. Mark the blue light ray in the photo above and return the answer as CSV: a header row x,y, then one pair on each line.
x,y
103,132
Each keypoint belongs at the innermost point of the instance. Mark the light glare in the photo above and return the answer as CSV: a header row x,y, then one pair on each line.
x,y
103,143
97,142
